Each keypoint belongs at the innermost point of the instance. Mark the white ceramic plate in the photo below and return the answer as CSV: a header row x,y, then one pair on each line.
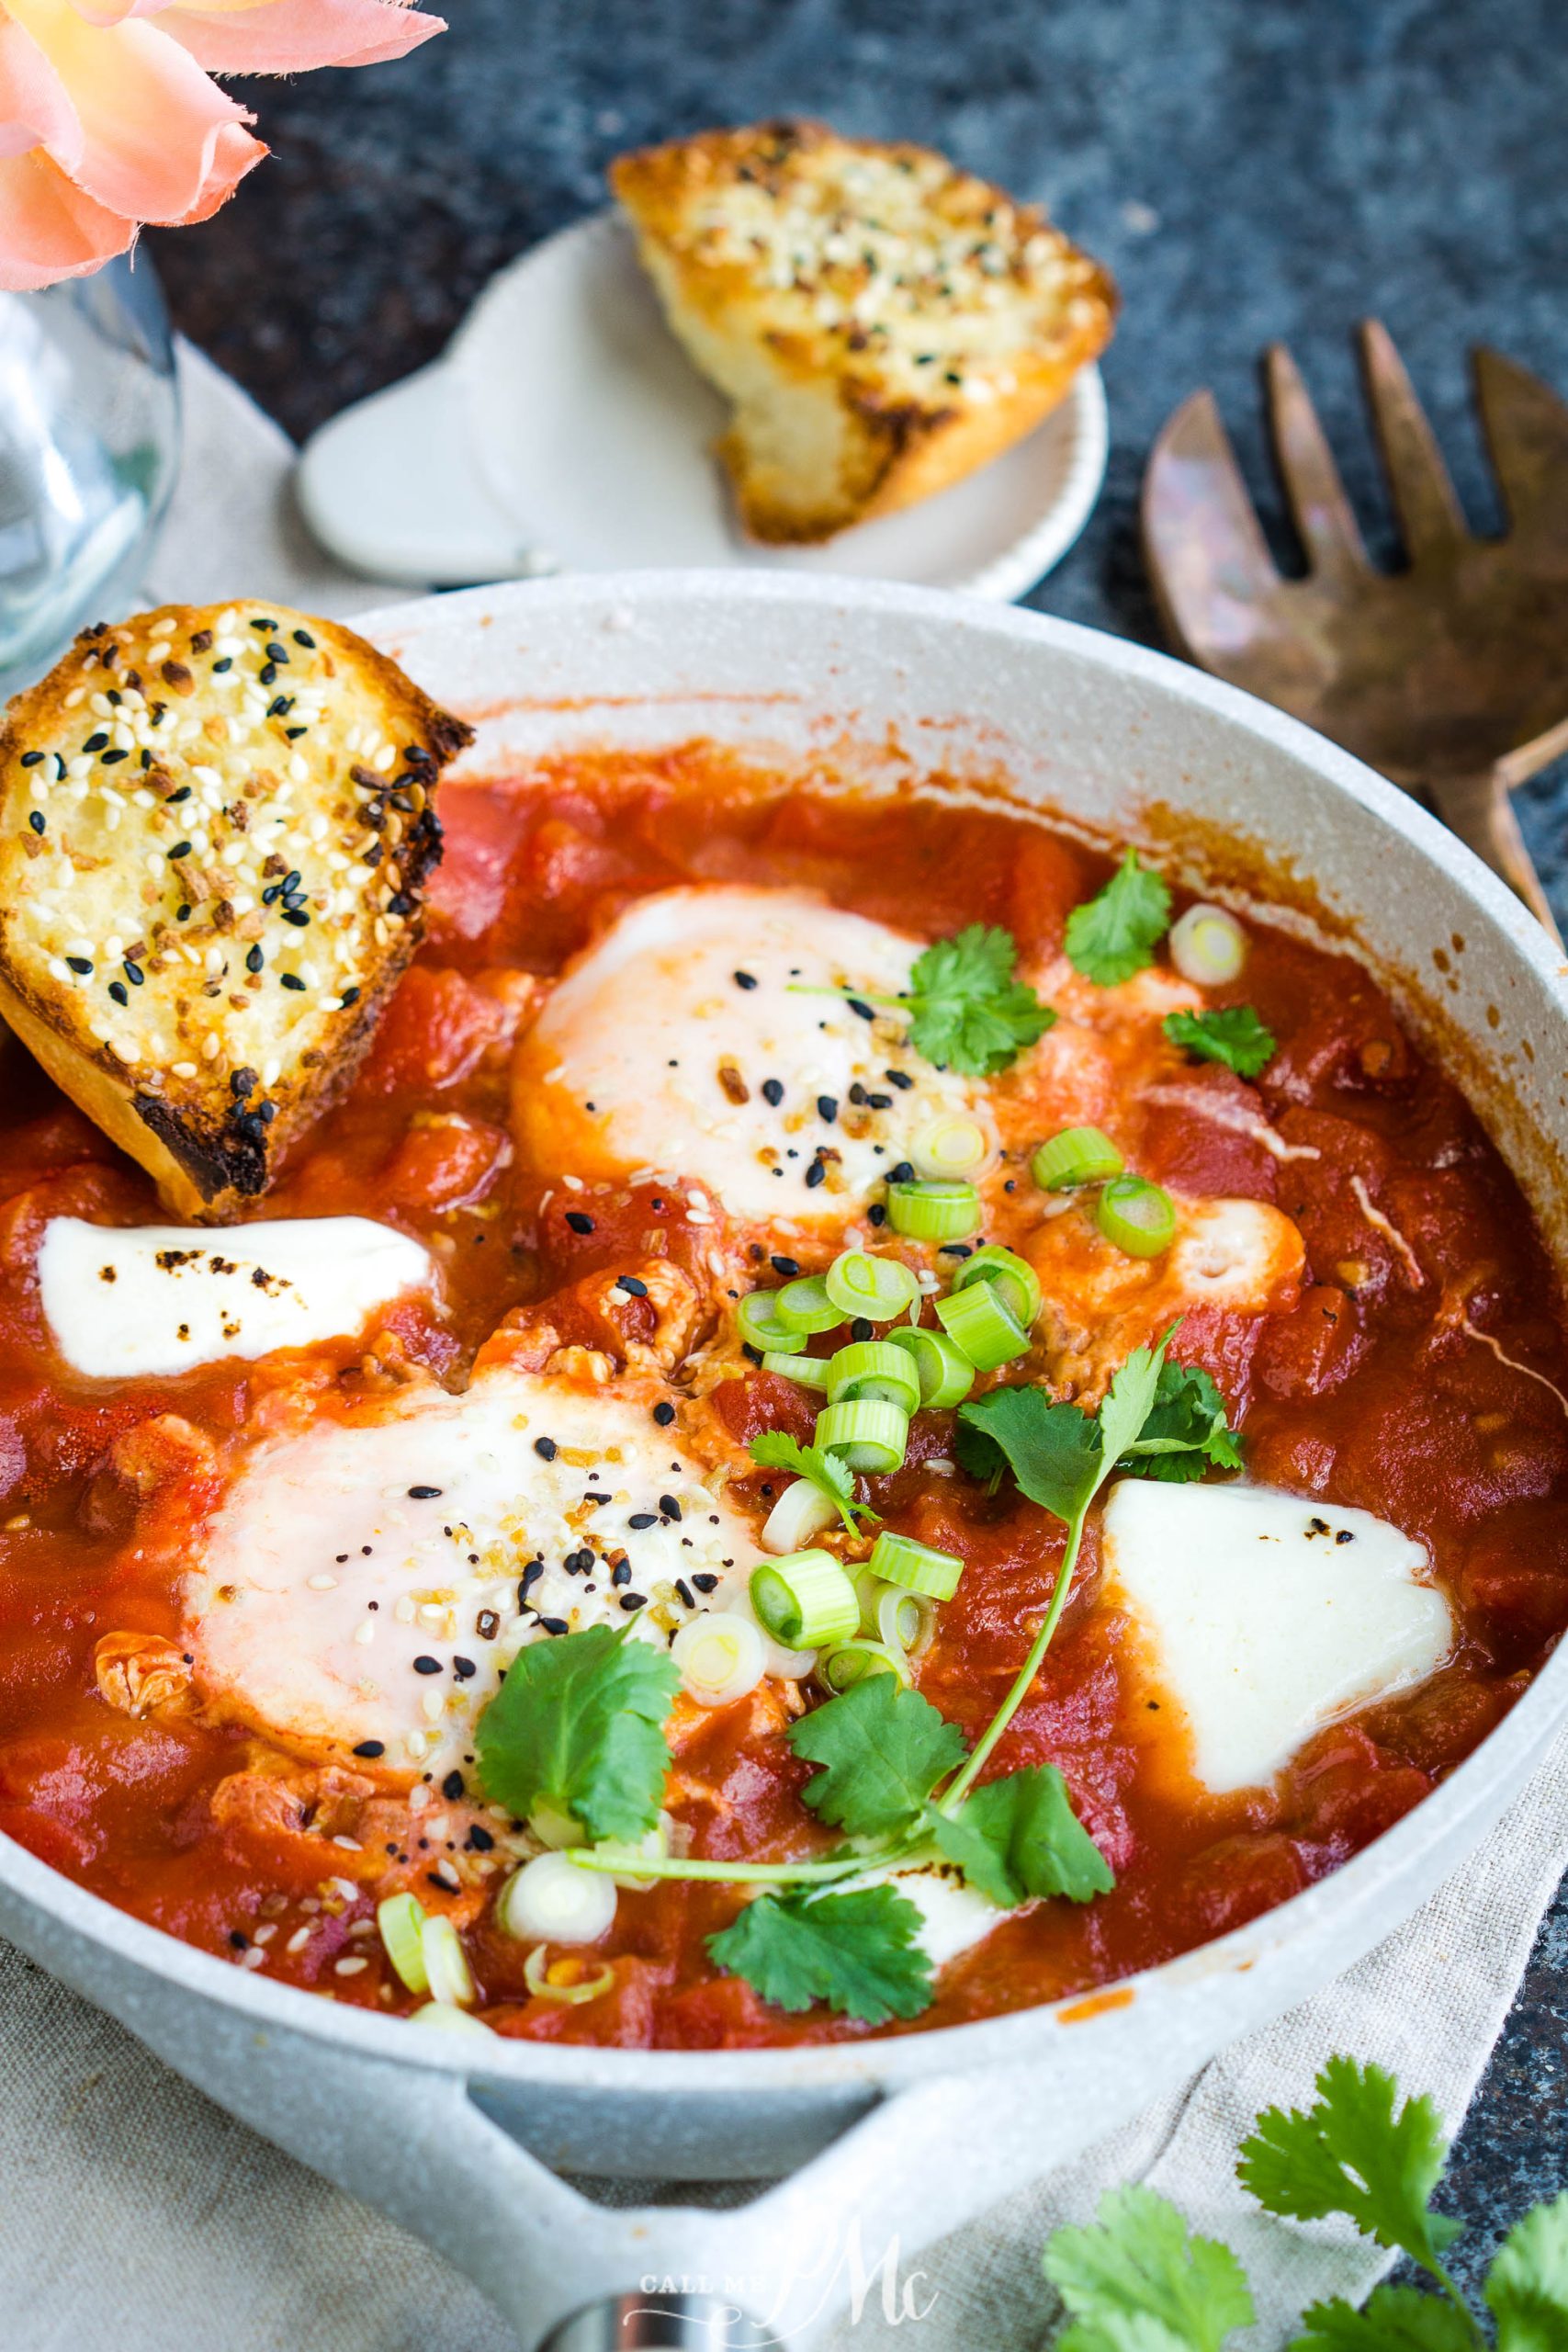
x,y
565,430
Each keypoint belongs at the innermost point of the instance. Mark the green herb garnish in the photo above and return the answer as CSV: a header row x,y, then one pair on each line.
x,y
578,1726
966,1008
857,1951
1234,1036
883,1749
1137,2280
1019,1837
776,1450
1187,1431
1114,934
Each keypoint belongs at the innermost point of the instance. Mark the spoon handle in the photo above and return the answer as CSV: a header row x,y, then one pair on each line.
x,y
1478,810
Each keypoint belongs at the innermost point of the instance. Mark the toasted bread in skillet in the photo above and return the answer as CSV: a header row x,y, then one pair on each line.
x,y
215,828
882,321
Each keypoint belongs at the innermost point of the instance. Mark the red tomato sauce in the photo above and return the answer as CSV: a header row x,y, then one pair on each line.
x,y
1373,1391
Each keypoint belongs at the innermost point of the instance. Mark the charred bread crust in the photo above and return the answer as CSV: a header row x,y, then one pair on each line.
x,y
216,828
882,321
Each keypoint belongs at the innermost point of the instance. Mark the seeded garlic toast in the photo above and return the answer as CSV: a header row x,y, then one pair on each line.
x,y
882,321
215,826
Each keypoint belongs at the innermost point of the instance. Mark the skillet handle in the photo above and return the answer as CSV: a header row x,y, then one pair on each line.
x,y
1478,810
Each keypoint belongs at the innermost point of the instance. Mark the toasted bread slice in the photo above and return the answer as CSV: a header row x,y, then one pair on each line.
x,y
882,321
214,831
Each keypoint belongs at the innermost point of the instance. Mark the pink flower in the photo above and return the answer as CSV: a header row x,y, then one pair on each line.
x,y
109,116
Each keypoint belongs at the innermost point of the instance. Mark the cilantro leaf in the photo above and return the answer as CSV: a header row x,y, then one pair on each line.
x,y
776,1450
1137,2280
1052,1449
1018,1837
967,1011
1234,1036
882,1750
857,1951
1185,1429
578,1725
1349,2153
1115,934
1129,1400
1395,2319
1527,2288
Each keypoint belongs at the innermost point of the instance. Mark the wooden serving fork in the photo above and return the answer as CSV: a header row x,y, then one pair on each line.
x,y
1452,675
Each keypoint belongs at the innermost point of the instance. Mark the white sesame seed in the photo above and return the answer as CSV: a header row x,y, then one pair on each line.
x,y
123,1048
321,1583
211,1047
365,1634
265,1935
185,1069
351,1967
297,1941
253,1958
272,1072
77,695
434,1705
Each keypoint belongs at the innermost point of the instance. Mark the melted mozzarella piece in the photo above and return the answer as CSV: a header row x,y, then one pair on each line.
x,y
122,1302
954,1917
361,1582
662,1047
1265,1616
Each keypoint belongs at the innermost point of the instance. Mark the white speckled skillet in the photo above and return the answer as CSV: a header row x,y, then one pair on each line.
x,y
460,2139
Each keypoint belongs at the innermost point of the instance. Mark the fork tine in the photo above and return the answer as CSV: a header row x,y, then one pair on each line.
x,y
1324,519
1526,432
1202,540
1429,512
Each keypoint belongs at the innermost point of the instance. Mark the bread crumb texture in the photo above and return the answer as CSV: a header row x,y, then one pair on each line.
x,y
215,830
882,321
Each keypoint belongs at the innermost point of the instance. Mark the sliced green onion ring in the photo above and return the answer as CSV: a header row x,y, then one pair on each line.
x,y
447,1964
757,1318
868,1435
401,1919
840,1669
447,2019
1012,1276
805,1306
806,1371
904,1622
555,1827
877,1288
874,1368
535,1975
918,1568
547,1898
802,1511
1136,1216
1208,946
721,1656
954,1145
983,1324
934,1212
805,1600
1077,1155
945,1373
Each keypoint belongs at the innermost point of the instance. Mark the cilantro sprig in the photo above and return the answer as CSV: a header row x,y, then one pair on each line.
x,y
1187,1431
578,1727
1114,934
1136,2280
1233,1034
858,1951
777,1449
967,1009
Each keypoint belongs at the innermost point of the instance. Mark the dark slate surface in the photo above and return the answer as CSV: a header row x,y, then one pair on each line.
x,y
1250,169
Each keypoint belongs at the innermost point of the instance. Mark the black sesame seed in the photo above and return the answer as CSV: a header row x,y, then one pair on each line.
x,y
531,1574
879,1101
134,973
898,1078
579,1221
630,1283
877,1214
425,1493
954,1249
1346,1536
292,980
79,963
578,1563
267,1113
111,758
31,759
902,1175
267,674
546,1448
371,1748
272,894
828,1107
275,652
863,1010
664,1414
423,1665
478,1840
117,989
641,1518
349,996
773,1091
95,742
744,979
669,1506
621,1573
464,1669
181,849
182,914
227,663
174,797
279,705
705,1583
35,820
815,1174
751,1354
255,960
785,1267
632,1600
243,1082
402,904
554,1625
684,1590
452,1787
267,625
294,733
861,1328
240,1943
146,759
302,637
297,916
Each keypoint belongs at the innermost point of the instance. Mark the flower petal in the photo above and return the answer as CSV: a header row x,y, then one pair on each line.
x,y
35,106
292,36
49,230
156,139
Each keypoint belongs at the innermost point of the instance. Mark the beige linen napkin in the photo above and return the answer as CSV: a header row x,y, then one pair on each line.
x,y
139,2218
